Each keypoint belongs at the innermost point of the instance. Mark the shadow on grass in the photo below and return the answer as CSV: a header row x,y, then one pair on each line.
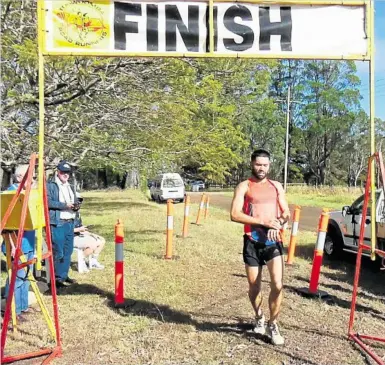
x,y
361,294
101,204
239,275
305,251
371,278
97,208
334,300
167,314
144,232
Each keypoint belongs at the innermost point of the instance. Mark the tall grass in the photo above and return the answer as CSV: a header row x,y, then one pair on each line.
x,y
323,196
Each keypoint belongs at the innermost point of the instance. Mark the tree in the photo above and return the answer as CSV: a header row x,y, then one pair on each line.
x,y
331,100
121,114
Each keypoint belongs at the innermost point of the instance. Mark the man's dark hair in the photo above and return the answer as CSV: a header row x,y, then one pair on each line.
x,y
260,153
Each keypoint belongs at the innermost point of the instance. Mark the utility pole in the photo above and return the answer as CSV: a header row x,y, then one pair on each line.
x,y
287,139
288,102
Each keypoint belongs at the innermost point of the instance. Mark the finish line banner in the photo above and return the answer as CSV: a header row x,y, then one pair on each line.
x,y
182,28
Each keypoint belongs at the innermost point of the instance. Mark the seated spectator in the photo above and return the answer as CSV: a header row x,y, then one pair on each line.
x,y
91,244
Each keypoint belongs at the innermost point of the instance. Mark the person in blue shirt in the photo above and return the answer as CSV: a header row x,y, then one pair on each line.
x,y
28,248
62,204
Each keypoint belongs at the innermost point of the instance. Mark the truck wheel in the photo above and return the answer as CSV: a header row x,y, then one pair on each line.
x,y
332,248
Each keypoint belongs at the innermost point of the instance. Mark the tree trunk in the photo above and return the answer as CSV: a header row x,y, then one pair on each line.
x,y
105,178
322,175
118,181
124,180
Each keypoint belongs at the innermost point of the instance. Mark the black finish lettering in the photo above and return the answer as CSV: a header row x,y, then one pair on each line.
x,y
240,29
121,26
152,27
282,28
190,34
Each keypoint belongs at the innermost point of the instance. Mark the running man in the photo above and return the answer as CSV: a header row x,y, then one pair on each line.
x,y
260,204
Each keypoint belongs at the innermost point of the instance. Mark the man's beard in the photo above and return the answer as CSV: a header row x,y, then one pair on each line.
x,y
255,174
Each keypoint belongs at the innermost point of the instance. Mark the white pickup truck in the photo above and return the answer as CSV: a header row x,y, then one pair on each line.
x,y
344,227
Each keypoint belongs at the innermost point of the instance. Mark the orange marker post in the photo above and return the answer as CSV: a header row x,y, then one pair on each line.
x,y
201,207
207,206
293,236
317,259
186,215
119,263
170,229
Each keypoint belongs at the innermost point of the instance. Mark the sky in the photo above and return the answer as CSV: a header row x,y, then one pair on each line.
x,y
379,65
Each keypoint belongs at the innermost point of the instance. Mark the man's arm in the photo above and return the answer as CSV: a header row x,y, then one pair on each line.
x,y
237,214
284,206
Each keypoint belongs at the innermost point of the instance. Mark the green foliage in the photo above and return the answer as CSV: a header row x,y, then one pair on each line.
x,y
199,117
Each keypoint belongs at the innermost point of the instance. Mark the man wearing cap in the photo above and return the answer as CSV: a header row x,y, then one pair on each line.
x,y
62,207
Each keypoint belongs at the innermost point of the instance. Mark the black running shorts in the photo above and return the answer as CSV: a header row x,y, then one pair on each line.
x,y
257,254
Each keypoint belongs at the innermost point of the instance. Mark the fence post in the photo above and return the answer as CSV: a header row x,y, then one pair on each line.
x,y
207,206
293,236
201,207
119,263
170,229
186,216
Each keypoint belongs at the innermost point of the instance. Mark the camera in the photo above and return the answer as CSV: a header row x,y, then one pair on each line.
x,y
76,206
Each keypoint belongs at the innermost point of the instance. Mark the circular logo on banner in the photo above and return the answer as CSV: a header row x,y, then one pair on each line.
x,y
81,23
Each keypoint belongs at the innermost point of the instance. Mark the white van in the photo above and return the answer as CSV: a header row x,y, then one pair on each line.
x,y
167,186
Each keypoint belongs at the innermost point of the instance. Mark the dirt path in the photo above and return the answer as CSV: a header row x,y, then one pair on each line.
x,y
308,219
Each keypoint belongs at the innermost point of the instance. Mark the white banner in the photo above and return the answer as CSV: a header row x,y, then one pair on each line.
x,y
123,27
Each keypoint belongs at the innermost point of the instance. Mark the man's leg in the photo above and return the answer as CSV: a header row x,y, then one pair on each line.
x,y
98,244
58,238
68,247
18,291
275,267
254,277
26,283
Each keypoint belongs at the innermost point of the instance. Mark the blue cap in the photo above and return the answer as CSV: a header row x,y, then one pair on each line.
x,y
64,166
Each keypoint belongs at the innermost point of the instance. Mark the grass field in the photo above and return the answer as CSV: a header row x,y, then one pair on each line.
x,y
194,309
322,197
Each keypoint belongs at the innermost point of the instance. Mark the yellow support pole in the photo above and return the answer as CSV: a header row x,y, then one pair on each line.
x,y
372,130
299,2
39,299
280,56
211,26
39,236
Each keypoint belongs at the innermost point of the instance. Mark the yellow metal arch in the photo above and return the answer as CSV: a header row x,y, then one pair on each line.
x,y
369,4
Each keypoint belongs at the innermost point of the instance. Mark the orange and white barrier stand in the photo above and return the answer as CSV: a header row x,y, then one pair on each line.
x,y
201,207
170,229
207,206
317,259
186,215
293,236
119,263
